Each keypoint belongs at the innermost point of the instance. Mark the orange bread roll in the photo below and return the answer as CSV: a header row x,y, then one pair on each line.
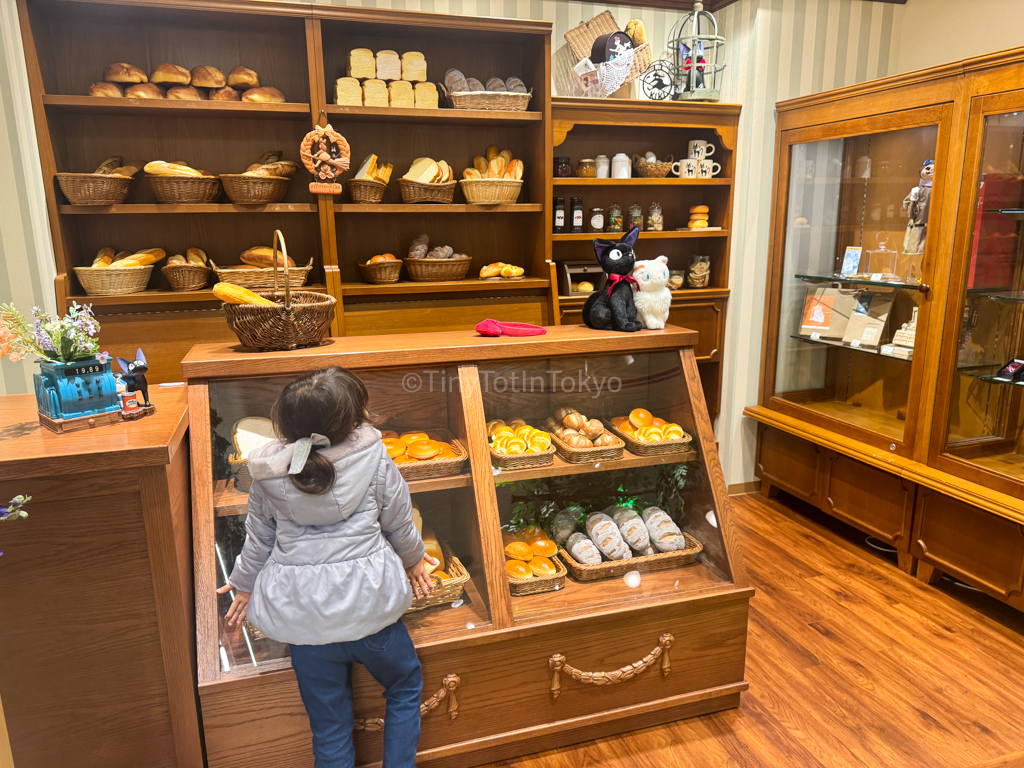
x,y
640,417
423,449
543,547
517,569
412,437
395,448
519,550
542,566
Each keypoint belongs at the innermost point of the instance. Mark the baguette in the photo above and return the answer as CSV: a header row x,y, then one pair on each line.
x,y
263,256
491,270
160,168
583,549
177,260
496,167
632,528
230,293
197,256
471,173
492,152
143,258
507,155
104,257
107,166
480,163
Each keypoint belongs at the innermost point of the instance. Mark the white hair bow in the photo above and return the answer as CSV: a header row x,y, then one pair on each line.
x,y
303,447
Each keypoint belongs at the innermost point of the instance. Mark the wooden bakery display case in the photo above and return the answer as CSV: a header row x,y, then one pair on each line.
x,y
595,644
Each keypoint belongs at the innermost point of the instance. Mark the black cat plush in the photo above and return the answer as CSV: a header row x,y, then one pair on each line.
x,y
135,375
612,308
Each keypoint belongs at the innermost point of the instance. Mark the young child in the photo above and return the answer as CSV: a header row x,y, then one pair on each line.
x,y
330,552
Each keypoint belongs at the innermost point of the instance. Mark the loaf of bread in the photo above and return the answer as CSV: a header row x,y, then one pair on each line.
x,y
110,90
108,165
433,547
264,95
128,169
665,534
424,170
419,246
605,534
251,433
144,91
564,524
583,549
124,73
348,91
455,81
279,168
414,67
160,168
103,257
227,93
400,94
426,96
197,257
208,77
637,33
170,74
243,78
389,66
515,85
496,84
475,85
632,527
361,64
184,93
263,256
375,93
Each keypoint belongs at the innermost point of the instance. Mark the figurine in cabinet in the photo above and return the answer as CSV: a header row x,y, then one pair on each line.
x,y
916,205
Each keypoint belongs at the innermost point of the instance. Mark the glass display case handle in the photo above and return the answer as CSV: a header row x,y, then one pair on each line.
x,y
449,686
558,665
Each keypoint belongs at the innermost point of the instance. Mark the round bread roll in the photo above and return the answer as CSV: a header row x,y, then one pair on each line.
x,y
423,449
605,440
542,566
699,216
699,209
411,437
124,73
575,421
227,93
265,95
208,77
243,78
519,550
543,547
110,90
171,74
496,84
641,417
144,91
183,93
517,569
593,429
395,448
577,441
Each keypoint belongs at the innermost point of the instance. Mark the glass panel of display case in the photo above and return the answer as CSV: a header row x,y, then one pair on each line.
x,y
560,497
856,227
986,424
445,503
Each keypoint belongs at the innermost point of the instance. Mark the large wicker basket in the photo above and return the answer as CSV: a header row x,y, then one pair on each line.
x,y
254,190
186,277
367,191
505,101
538,584
303,320
446,591
660,448
436,270
581,42
262,277
648,170
430,468
661,561
523,460
381,273
588,455
491,191
94,188
415,192
114,281
184,190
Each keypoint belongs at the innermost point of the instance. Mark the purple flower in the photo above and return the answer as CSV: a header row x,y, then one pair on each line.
x,y
43,339
3,512
103,356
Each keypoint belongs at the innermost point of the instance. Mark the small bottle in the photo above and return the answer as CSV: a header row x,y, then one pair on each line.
x,y
577,215
614,218
559,227
655,220
596,223
636,216
563,167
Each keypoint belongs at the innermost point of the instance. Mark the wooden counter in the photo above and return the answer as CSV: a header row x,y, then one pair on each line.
x,y
96,601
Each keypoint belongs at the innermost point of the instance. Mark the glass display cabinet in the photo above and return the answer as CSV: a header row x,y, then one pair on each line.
x,y
853,282
579,654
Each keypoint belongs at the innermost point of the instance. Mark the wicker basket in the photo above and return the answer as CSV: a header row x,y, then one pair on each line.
x,y
446,591
661,561
186,277
367,191
491,191
436,270
94,188
415,192
505,101
254,190
537,584
648,170
243,480
263,277
588,455
661,448
303,320
114,281
184,190
581,42
523,460
430,468
381,273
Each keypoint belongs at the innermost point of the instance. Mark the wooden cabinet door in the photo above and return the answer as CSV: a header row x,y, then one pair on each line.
x,y
792,464
875,501
708,319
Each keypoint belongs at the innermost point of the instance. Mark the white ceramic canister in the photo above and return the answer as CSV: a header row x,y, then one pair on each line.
x,y
604,166
621,166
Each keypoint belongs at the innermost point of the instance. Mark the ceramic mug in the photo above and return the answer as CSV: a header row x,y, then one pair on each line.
x,y
708,168
699,149
685,168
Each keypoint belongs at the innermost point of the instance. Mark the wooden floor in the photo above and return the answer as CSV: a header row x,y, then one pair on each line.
x,y
850,662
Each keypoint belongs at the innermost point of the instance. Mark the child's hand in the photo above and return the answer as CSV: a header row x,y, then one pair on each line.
x,y
422,585
236,613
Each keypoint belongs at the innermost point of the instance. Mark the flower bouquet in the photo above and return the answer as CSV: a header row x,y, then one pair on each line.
x,y
14,511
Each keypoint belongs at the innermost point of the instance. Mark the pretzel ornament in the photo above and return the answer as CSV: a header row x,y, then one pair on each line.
x,y
326,155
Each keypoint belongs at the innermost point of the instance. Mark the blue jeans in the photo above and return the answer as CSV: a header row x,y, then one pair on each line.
x,y
324,673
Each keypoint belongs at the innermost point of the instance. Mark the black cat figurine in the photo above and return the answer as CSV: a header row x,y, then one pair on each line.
x,y
612,308
135,376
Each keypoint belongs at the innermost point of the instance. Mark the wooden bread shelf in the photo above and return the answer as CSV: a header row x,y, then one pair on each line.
x,y
432,116
172,107
161,208
560,467
165,297
574,181
643,235
437,208
446,286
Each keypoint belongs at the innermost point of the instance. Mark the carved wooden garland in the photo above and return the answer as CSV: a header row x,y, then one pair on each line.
x,y
557,664
449,686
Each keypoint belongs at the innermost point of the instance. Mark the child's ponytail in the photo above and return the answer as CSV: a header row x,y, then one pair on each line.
x,y
317,476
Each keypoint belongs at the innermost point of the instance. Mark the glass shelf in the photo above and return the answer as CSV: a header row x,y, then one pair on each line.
x,y
922,287
1017,296
988,373
1010,213
885,350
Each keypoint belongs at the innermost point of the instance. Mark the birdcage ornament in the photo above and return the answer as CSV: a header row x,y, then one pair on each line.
x,y
696,51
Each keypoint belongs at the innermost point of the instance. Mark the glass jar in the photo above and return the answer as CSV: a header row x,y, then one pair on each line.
x,y
586,169
559,223
604,166
563,167
614,223
636,217
655,221
577,215
596,222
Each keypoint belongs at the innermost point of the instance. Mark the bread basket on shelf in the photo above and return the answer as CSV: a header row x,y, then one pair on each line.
x,y
491,191
303,320
437,270
538,584
446,591
662,561
588,455
367,191
186,277
660,448
381,273
262,277
648,170
114,281
254,190
184,190
94,188
418,192
430,468
506,101
523,460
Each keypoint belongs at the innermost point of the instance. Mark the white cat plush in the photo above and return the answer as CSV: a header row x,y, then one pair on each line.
x,y
653,298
